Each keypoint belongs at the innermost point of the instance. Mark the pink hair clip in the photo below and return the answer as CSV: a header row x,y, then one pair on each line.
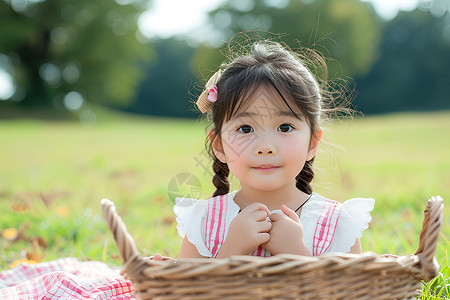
x,y
212,96
209,94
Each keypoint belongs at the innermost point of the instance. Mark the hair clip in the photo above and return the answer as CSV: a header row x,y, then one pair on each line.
x,y
212,95
209,95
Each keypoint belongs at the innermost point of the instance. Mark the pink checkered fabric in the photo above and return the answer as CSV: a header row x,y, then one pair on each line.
x,y
326,227
65,278
216,223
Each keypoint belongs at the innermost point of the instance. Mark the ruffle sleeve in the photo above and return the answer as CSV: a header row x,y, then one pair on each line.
x,y
191,215
353,220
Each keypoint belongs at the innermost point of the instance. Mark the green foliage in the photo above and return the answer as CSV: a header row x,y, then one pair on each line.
x,y
169,87
412,70
59,46
346,31
439,287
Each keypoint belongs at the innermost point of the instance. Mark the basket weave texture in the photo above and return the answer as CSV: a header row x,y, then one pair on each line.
x,y
331,276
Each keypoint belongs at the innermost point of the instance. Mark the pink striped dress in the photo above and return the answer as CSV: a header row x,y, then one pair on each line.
x,y
329,226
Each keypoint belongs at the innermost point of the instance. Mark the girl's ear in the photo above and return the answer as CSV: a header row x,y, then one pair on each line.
x,y
217,146
314,144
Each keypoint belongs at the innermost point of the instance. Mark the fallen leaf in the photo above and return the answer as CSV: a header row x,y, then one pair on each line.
x,y
62,211
19,206
159,199
22,231
50,196
22,261
36,256
169,220
115,256
10,234
38,241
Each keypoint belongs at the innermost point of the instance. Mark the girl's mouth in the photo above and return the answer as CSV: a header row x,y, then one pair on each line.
x,y
266,167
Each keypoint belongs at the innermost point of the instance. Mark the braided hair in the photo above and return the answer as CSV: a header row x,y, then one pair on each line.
x,y
220,179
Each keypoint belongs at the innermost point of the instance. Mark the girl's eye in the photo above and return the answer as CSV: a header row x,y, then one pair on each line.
x,y
245,129
285,128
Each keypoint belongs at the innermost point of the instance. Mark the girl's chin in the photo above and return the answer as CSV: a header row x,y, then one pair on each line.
x,y
265,186
267,183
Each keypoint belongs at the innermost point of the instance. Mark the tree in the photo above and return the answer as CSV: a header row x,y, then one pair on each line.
x,y
348,31
437,8
72,52
412,70
169,87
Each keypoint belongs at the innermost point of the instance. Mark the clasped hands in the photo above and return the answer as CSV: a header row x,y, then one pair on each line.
x,y
282,233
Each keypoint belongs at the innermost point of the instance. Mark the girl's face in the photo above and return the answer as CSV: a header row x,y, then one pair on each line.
x,y
264,144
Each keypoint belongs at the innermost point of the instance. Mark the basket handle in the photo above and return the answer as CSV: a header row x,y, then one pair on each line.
x,y
124,242
432,223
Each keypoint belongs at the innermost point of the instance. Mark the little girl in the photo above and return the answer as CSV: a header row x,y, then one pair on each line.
x,y
266,108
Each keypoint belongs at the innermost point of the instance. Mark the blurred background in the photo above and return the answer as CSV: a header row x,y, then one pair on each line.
x,y
151,56
96,101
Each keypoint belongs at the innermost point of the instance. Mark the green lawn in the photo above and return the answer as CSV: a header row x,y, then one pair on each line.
x,y
53,175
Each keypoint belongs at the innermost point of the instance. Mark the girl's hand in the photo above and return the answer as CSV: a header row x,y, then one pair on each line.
x,y
247,231
286,234
157,256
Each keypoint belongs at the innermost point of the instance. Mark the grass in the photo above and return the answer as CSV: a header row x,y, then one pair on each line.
x,y
54,173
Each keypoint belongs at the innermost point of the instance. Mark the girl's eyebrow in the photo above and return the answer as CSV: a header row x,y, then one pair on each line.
x,y
245,114
281,113
287,113
290,113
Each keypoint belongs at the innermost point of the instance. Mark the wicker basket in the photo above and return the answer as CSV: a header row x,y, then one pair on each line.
x,y
331,276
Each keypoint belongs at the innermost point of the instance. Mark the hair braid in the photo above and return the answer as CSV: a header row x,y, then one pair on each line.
x,y
305,177
220,179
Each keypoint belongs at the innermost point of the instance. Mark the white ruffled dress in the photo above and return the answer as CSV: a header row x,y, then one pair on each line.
x,y
329,226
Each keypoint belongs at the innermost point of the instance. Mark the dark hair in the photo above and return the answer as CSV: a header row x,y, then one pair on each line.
x,y
269,63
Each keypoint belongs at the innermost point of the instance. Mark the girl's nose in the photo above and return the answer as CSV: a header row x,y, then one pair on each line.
x,y
265,144
265,150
